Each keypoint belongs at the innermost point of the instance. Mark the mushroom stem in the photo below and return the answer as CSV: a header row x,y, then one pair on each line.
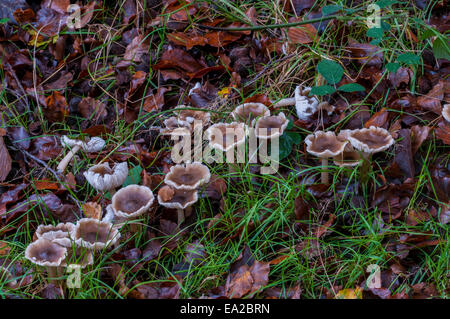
x,y
180,215
136,227
285,102
53,274
324,174
65,161
365,168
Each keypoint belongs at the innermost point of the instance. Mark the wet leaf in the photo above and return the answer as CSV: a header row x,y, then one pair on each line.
x,y
5,160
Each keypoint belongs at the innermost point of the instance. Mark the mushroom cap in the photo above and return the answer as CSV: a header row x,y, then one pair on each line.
x,y
43,252
172,123
269,127
247,112
189,116
94,234
189,176
59,234
104,178
176,198
371,140
324,144
305,105
132,201
446,112
225,136
95,144
348,158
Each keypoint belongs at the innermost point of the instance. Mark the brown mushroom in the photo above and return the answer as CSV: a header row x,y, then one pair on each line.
x,y
349,157
226,136
94,234
324,145
45,253
446,112
59,234
131,202
95,144
370,140
248,112
189,176
270,127
106,179
178,199
188,116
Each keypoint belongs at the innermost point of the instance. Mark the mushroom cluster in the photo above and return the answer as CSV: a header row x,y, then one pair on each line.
x,y
181,189
57,247
185,120
349,147
95,144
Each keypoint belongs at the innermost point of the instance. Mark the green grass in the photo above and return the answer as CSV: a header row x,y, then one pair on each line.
x,y
258,209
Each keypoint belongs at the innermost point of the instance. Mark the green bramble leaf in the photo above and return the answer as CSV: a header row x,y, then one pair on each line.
x,y
330,70
351,87
322,90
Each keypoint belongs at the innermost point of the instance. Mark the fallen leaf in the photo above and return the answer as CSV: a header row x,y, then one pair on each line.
x,y
92,210
5,160
302,34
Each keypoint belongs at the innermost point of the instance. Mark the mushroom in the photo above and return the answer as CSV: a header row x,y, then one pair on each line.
x,y
59,234
247,112
324,145
304,104
178,199
446,112
225,136
172,123
370,140
131,202
78,256
94,234
103,178
187,117
45,253
349,157
270,127
95,144
189,176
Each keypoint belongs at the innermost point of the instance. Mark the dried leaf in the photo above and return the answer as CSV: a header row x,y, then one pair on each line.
x,y
92,210
5,160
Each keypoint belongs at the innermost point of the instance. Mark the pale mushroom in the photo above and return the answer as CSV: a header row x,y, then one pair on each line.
x,y
59,234
188,116
189,176
226,136
131,202
324,145
104,178
94,234
178,199
304,104
446,112
172,123
50,255
95,144
248,112
270,127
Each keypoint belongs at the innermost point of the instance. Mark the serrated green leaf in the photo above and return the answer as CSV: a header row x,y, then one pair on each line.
x,y
134,176
409,58
286,142
330,70
441,49
331,9
351,87
428,33
322,90
392,67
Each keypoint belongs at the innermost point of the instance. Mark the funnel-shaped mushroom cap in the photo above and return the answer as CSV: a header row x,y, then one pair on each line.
x,y
371,140
446,112
247,112
269,127
188,176
189,116
172,123
94,234
78,256
132,201
349,157
95,144
104,178
324,144
176,198
43,252
225,136
59,234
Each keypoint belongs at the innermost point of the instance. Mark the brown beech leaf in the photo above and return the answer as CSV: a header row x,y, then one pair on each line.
x,y
403,153
91,108
5,160
57,5
60,83
92,210
379,119
302,34
366,54
45,147
180,60
189,40
443,132
419,135
432,101
56,107
401,76
169,289
155,102
134,51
